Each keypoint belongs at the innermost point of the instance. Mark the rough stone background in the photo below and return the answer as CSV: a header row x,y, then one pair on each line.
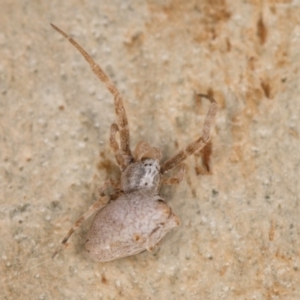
x,y
240,231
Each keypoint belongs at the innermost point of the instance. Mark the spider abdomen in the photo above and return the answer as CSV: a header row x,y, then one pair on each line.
x,y
131,224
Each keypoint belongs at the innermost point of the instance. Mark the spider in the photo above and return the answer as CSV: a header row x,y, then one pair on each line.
x,y
135,217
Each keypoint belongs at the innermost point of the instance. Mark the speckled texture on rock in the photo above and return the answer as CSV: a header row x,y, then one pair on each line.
x,y
239,236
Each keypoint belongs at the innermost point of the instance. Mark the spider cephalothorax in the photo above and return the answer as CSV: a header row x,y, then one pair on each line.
x,y
141,175
135,218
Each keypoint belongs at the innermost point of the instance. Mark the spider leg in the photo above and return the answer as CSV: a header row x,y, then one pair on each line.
x,y
107,183
115,147
199,143
96,206
121,117
177,178
110,183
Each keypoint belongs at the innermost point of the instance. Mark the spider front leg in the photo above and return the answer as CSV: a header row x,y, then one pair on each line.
x,y
199,143
177,178
120,112
96,206
115,147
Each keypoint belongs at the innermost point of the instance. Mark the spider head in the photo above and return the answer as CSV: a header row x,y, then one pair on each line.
x,y
142,174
